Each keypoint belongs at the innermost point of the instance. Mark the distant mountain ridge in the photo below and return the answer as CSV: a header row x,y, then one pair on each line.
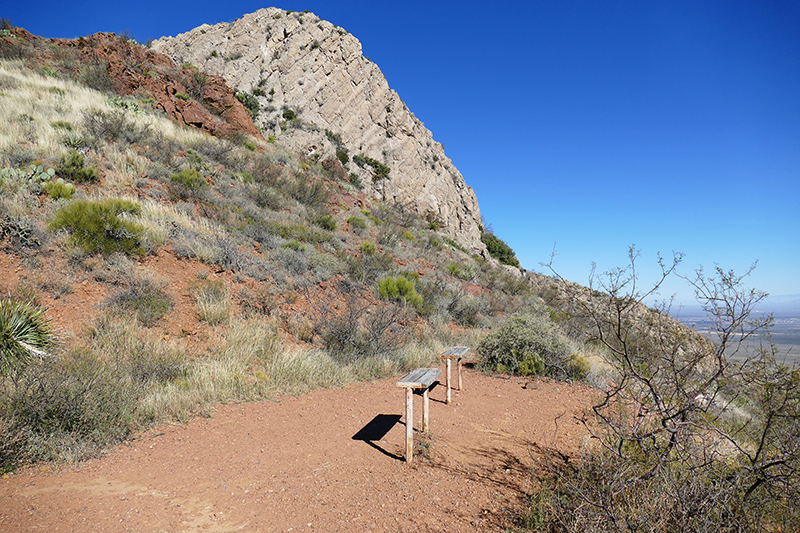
x,y
318,94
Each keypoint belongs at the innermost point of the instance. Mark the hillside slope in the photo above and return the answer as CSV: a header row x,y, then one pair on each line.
x,y
296,65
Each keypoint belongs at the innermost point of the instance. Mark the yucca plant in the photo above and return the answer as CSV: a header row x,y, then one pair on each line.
x,y
24,332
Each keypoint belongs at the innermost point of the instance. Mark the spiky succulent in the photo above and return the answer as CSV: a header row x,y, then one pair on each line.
x,y
24,332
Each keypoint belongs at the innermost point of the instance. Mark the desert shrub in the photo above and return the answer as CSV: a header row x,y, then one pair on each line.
x,y
325,265
355,181
466,272
294,245
116,126
467,310
357,223
267,197
685,437
367,266
71,407
100,227
250,103
68,408
190,179
367,248
72,166
399,289
325,222
211,299
22,233
135,356
379,170
291,258
307,190
145,298
359,331
528,344
23,331
59,189
499,249
258,301
291,230
96,76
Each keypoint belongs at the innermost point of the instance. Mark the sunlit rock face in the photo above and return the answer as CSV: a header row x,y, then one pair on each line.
x,y
295,63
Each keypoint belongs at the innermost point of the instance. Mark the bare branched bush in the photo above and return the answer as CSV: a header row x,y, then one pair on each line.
x,y
684,438
358,330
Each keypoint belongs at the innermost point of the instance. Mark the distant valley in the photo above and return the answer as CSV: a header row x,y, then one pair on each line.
x,y
785,335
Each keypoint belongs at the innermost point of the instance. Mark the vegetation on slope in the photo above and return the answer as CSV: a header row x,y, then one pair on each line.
x,y
279,233
315,285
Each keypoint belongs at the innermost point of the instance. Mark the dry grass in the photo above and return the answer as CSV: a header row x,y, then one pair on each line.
x,y
212,302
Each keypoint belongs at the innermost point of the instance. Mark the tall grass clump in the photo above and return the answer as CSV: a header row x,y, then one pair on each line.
x,y
212,301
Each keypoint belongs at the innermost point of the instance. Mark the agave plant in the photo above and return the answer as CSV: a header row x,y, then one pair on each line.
x,y
24,332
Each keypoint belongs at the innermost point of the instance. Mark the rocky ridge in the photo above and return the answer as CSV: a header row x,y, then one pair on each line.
x,y
319,95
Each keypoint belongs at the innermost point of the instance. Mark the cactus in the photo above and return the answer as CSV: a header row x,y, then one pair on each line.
x,y
37,173
33,175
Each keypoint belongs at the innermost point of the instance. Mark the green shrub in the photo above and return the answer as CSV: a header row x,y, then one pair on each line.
x,y
99,227
326,222
23,327
288,114
529,344
357,222
399,289
295,245
189,178
250,103
499,249
341,155
182,96
355,181
379,170
72,167
59,189
367,248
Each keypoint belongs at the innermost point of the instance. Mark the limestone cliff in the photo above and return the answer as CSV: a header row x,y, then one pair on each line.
x,y
318,94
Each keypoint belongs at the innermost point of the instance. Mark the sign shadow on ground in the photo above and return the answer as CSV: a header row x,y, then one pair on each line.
x,y
376,429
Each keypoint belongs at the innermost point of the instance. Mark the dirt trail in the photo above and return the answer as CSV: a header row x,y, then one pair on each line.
x,y
294,465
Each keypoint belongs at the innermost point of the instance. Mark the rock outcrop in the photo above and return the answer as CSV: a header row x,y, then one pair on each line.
x,y
319,95
114,63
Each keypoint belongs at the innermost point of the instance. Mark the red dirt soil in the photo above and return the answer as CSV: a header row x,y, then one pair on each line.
x,y
293,465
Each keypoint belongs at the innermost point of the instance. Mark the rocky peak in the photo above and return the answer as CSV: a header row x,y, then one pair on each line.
x,y
319,95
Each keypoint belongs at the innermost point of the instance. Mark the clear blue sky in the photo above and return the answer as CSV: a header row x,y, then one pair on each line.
x,y
590,125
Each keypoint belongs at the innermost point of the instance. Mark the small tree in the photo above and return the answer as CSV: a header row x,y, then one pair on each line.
x,y
686,439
